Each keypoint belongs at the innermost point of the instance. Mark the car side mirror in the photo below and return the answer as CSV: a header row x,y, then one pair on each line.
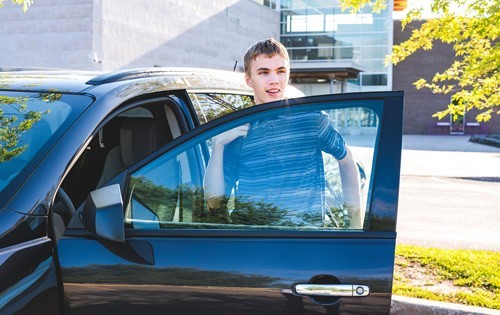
x,y
103,213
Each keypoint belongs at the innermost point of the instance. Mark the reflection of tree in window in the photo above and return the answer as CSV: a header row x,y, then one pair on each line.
x,y
17,121
258,213
164,201
160,200
214,105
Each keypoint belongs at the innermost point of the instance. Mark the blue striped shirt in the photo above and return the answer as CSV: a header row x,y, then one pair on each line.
x,y
277,170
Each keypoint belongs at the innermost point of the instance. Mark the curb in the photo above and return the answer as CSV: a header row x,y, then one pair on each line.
x,y
493,140
401,305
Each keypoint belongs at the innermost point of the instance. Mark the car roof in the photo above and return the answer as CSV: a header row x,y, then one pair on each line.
x,y
80,81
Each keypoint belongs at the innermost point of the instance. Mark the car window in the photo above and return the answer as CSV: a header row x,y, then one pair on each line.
x,y
213,105
31,123
126,137
287,168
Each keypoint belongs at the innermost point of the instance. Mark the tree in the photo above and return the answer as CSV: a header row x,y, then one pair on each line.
x,y
472,28
24,3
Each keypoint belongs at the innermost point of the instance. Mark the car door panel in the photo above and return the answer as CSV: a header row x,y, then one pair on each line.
x,y
214,267
217,271
29,280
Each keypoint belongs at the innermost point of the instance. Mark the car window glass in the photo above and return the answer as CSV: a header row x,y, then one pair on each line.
x,y
124,139
31,122
213,105
288,171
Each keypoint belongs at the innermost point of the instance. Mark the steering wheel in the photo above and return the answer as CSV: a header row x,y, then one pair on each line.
x,y
63,206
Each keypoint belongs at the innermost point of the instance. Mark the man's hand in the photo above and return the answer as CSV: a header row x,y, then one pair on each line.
x,y
230,135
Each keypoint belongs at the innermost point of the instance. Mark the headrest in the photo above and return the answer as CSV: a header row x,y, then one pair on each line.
x,y
138,138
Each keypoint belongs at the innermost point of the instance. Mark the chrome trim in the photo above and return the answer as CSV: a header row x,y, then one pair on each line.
x,y
341,290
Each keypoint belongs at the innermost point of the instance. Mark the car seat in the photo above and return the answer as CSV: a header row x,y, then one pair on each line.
x,y
139,137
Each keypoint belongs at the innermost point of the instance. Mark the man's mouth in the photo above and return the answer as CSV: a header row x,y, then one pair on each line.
x,y
273,91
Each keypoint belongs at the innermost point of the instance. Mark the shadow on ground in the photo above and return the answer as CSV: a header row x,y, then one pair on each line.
x,y
493,140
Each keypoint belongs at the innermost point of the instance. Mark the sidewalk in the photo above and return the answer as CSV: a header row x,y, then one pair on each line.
x,y
454,143
442,156
447,156
402,305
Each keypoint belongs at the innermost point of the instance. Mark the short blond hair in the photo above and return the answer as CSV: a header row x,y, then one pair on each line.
x,y
269,47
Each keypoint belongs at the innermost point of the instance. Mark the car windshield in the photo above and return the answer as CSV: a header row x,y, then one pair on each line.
x,y
30,123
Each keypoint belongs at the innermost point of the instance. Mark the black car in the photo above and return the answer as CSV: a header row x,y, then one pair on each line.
x,y
102,206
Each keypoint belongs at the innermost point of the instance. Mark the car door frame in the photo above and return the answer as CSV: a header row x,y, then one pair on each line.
x,y
384,196
385,187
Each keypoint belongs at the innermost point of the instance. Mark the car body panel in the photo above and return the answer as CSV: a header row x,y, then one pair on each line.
x,y
28,270
223,275
71,81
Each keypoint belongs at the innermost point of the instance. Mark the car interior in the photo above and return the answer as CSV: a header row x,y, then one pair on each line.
x,y
124,140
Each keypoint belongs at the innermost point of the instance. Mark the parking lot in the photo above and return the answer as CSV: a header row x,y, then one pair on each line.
x,y
449,193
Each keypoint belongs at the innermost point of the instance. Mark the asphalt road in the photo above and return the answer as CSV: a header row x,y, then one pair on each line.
x,y
449,212
449,193
449,198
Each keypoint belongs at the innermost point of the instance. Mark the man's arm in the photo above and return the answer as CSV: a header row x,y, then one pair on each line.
x,y
333,142
213,182
349,175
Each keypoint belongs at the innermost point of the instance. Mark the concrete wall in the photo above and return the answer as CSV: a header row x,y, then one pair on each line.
x,y
420,105
202,33
52,33
114,34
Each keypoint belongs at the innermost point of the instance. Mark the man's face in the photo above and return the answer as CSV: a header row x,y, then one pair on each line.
x,y
268,78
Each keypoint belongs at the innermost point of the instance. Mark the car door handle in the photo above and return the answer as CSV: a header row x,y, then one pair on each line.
x,y
341,290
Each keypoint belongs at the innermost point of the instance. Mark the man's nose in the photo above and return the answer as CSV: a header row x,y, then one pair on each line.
x,y
273,78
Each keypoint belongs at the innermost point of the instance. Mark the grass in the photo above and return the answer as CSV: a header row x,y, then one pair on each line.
x,y
470,277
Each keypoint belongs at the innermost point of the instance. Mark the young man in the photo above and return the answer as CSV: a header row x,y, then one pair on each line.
x,y
275,166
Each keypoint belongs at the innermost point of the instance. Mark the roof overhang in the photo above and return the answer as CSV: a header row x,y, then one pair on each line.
x,y
338,70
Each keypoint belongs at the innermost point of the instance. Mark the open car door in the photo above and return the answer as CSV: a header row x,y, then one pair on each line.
x,y
278,240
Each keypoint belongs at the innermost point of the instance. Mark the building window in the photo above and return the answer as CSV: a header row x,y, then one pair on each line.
x,y
268,3
373,79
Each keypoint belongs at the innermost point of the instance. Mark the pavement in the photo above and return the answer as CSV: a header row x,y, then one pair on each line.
x,y
446,156
402,305
449,156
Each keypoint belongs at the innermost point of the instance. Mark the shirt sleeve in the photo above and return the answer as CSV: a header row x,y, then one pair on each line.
x,y
330,140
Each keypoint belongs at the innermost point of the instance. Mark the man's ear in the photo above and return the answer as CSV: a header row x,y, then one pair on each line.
x,y
248,81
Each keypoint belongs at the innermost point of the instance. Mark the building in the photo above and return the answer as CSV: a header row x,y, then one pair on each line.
x,y
420,105
113,34
334,51
331,51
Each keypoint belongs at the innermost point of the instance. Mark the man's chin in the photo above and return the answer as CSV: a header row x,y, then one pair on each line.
x,y
274,98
